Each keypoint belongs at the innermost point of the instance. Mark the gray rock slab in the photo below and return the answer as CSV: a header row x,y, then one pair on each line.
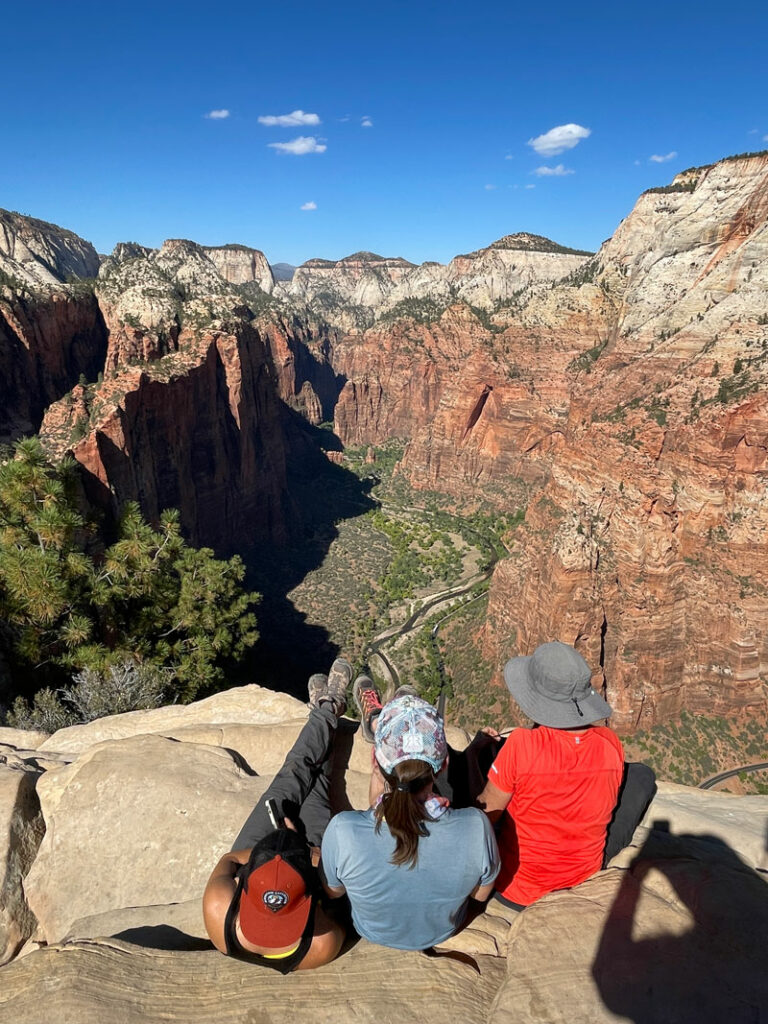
x,y
21,829
94,982
679,936
169,926
24,739
739,821
243,705
134,822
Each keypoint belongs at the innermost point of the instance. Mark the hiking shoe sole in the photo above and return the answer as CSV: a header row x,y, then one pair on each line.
x,y
405,691
368,701
317,688
339,678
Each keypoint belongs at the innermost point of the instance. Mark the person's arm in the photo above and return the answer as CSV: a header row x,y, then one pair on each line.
x,y
334,891
327,939
493,801
328,861
500,784
491,864
218,895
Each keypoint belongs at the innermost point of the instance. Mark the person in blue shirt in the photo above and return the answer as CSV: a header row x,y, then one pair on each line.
x,y
410,864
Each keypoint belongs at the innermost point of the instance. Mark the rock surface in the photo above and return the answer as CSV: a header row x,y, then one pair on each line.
x,y
240,265
175,806
21,829
35,252
665,940
135,823
48,339
648,546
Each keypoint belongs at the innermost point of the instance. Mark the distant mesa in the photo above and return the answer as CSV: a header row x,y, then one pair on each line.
x,y
283,271
359,257
526,242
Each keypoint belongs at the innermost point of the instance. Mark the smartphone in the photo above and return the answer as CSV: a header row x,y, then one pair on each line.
x,y
274,816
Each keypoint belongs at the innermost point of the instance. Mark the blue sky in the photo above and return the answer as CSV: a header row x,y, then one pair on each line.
x,y
104,131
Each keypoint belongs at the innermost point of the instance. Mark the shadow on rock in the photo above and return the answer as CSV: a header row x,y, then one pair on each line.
x,y
702,962
163,936
290,648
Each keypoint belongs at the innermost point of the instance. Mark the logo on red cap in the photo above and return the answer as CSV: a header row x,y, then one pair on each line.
x,y
275,899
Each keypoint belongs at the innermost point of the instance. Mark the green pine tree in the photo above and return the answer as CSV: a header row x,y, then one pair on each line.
x,y
71,604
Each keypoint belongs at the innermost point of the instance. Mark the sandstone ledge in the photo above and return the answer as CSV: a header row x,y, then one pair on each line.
x,y
674,930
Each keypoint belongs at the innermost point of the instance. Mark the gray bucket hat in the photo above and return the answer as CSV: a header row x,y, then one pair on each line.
x,y
552,687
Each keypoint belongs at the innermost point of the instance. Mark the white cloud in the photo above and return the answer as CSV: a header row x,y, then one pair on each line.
x,y
309,206
530,186
765,138
753,131
658,159
490,188
289,120
217,115
509,157
299,147
557,140
637,163
552,172
366,123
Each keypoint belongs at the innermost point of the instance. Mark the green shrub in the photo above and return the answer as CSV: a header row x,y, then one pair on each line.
x,y
128,686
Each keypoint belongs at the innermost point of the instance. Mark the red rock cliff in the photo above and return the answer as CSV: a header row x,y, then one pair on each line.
x,y
201,431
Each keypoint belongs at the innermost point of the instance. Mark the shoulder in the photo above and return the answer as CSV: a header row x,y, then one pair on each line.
x,y
216,900
515,742
523,743
348,821
470,819
609,737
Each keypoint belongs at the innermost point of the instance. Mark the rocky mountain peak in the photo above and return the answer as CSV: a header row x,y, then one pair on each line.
x,y
373,259
125,251
524,241
35,252
239,264
283,271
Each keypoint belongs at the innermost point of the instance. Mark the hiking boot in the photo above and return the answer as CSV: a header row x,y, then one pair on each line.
x,y
317,688
405,691
339,679
368,701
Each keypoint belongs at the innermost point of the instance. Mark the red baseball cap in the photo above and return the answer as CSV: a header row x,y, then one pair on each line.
x,y
274,905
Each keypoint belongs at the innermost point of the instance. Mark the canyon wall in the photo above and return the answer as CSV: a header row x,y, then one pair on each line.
x,y
187,415
647,546
620,398
51,328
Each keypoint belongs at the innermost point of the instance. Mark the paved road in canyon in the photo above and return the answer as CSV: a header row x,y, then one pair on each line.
x,y
413,621
709,783
434,600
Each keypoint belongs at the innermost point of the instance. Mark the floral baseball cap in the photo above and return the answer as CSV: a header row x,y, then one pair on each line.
x,y
409,729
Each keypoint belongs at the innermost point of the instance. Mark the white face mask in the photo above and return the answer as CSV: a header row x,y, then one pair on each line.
x,y
434,808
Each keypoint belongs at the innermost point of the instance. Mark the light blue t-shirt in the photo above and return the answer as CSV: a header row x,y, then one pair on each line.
x,y
403,907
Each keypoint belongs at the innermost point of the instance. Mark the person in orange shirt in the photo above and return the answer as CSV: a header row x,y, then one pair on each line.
x,y
561,791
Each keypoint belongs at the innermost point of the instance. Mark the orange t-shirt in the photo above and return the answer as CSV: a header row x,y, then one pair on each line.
x,y
563,790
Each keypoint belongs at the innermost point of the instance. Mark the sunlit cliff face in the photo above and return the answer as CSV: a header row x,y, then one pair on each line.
x,y
622,399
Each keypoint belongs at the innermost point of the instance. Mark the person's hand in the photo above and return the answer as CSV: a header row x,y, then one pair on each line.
x,y
289,824
314,853
490,731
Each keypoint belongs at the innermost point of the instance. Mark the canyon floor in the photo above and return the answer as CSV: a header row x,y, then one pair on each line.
x,y
366,588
